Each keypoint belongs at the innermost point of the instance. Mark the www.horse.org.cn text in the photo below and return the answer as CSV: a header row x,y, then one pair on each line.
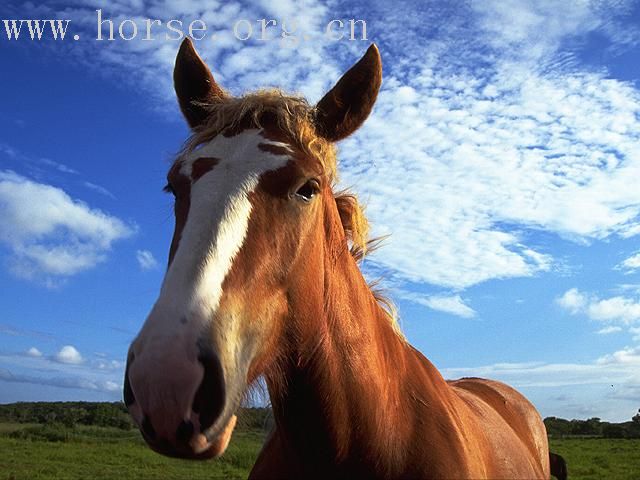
x,y
288,32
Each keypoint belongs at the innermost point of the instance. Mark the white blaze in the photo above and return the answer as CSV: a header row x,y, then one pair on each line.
x,y
214,232
166,372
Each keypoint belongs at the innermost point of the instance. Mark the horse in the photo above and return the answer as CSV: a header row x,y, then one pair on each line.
x,y
263,281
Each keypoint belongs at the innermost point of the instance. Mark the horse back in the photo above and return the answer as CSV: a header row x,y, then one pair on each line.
x,y
506,415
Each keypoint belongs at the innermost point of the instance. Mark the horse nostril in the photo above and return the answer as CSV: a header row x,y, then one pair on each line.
x,y
148,429
129,398
209,398
184,432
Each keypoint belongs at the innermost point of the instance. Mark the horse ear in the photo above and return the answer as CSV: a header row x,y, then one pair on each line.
x,y
194,84
348,104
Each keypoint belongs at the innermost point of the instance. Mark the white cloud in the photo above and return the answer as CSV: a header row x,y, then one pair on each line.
x,y
629,288
459,181
481,136
608,330
452,304
619,367
462,163
68,354
109,365
58,166
239,65
34,163
621,309
514,26
99,189
66,369
631,264
75,382
618,309
110,386
50,233
34,352
572,300
606,387
146,260
626,356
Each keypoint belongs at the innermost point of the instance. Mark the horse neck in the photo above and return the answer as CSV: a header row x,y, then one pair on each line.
x,y
337,390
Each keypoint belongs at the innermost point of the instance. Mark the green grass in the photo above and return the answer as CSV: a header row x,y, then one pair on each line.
x,y
599,458
6,428
50,452
29,451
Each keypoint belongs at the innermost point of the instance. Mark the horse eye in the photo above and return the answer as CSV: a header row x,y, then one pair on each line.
x,y
307,191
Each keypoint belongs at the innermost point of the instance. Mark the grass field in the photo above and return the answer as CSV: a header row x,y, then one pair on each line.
x,y
42,452
47,452
600,458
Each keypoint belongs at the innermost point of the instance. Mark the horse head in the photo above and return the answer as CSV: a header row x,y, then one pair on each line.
x,y
256,224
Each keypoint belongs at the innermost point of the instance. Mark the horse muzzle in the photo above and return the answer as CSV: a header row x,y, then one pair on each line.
x,y
181,403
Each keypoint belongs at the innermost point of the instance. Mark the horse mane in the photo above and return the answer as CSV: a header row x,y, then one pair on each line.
x,y
294,116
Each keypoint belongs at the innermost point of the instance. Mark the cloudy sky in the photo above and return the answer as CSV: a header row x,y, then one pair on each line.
x,y
502,159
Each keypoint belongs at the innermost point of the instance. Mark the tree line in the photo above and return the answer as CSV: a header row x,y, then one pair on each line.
x,y
105,414
593,427
114,414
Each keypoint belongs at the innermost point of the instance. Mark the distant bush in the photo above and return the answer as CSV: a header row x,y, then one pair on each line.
x,y
68,414
593,427
61,415
612,430
50,433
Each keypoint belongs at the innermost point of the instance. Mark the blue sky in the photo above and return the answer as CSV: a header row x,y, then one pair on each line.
x,y
502,159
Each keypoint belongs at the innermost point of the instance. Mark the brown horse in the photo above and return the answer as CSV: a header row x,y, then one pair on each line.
x,y
263,280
